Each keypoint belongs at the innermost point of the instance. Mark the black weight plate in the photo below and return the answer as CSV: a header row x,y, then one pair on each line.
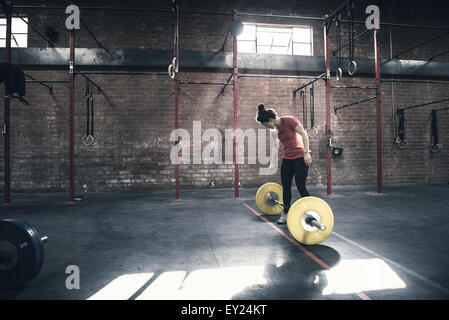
x,y
8,255
29,255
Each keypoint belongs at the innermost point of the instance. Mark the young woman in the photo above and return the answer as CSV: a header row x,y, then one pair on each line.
x,y
296,158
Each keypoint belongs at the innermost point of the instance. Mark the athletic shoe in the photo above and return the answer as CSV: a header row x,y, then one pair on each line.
x,y
282,219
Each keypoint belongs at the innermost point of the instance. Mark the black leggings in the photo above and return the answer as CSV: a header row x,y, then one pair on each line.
x,y
298,168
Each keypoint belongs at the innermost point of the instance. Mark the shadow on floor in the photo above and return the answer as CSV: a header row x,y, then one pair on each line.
x,y
297,278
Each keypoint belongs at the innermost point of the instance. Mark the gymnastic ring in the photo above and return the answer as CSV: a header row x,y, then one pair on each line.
x,y
314,130
175,64
354,64
171,71
178,144
339,74
435,148
94,141
402,143
87,140
84,140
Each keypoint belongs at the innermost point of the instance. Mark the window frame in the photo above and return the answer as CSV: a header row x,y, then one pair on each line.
x,y
281,26
13,38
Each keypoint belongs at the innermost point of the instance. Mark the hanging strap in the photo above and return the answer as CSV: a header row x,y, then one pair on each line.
x,y
339,72
436,147
94,140
337,24
351,30
401,125
352,65
313,131
312,106
304,103
434,127
87,106
401,141
89,139
304,116
86,139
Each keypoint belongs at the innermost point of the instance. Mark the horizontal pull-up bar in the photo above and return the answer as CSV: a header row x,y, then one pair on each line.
x,y
164,11
268,76
92,8
48,81
211,83
354,103
321,76
352,87
126,73
423,104
278,16
414,81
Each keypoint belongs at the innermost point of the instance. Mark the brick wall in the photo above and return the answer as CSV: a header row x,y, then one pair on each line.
x,y
134,116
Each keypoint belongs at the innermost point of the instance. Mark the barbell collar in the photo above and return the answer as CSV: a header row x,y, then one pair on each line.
x,y
278,202
315,223
273,200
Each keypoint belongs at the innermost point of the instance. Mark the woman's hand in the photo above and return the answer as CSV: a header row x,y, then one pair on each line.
x,y
307,158
305,139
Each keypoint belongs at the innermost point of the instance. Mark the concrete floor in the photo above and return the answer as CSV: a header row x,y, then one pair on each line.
x,y
210,246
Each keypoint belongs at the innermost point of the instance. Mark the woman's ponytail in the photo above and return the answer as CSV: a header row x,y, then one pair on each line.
x,y
264,115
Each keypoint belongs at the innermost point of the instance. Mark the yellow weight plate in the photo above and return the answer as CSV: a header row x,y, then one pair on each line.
x,y
300,230
261,194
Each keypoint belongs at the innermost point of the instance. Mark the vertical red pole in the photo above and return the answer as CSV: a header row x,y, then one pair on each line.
x,y
236,110
72,118
378,114
176,82
6,125
328,107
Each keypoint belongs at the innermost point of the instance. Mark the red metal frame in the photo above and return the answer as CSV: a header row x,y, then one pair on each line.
x,y
328,108
378,114
176,83
176,108
7,120
72,118
236,110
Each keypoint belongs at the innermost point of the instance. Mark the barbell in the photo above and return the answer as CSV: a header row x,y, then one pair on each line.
x,y
21,253
310,219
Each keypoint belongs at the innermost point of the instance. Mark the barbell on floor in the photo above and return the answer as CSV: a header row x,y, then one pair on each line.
x,y
310,219
21,253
